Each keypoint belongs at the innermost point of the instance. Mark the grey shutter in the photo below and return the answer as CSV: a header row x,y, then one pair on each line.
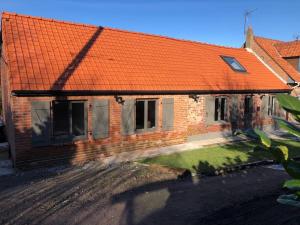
x,y
168,113
226,109
279,111
210,109
251,109
128,109
40,122
264,106
234,113
100,119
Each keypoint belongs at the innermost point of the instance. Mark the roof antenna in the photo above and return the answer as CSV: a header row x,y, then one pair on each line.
x,y
247,15
296,37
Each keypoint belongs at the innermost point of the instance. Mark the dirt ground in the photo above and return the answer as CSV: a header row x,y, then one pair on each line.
x,y
136,194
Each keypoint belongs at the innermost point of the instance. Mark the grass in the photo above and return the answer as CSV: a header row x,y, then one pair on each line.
x,y
207,160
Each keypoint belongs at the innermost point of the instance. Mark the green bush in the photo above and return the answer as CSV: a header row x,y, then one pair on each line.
x,y
280,152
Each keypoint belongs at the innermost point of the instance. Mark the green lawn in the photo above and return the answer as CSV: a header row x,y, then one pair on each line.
x,y
207,160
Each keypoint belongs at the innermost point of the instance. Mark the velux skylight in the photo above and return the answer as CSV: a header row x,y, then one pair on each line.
x,y
233,63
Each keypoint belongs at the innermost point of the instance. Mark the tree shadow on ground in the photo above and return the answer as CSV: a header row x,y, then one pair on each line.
x,y
205,197
185,201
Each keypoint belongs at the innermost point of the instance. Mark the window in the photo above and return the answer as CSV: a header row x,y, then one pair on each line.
x,y
145,115
69,119
248,105
271,105
220,108
233,63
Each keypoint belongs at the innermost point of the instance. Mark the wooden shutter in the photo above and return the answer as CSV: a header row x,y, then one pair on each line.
x,y
168,113
264,106
278,110
226,109
234,113
40,122
128,109
251,109
100,119
210,109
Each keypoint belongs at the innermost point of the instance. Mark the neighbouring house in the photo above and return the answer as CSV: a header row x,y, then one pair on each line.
x,y
282,57
74,92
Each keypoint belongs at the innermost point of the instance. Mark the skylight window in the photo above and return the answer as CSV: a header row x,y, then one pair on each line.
x,y
233,63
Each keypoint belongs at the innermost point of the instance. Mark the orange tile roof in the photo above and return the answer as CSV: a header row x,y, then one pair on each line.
x,y
45,54
271,47
289,49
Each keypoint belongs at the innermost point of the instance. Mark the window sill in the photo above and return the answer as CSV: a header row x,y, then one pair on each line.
x,y
220,122
145,131
58,141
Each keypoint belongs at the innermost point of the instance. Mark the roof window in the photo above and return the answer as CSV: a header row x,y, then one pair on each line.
x,y
233,63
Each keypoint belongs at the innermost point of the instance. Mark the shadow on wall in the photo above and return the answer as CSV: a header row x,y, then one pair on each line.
x,y
243,110
42,125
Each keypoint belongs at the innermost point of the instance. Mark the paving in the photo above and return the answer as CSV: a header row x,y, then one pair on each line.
x,y
134,194
6,167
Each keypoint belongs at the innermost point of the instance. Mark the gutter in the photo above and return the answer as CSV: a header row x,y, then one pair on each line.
x,y
297,85
32,93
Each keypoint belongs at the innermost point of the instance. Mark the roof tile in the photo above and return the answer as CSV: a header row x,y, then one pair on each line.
x,y
277,50
56,55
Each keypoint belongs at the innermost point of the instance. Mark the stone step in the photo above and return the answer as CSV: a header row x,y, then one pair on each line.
x,y
6,164
6,167
6,171
4,146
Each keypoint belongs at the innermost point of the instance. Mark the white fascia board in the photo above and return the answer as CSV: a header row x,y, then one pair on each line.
x,y
266,65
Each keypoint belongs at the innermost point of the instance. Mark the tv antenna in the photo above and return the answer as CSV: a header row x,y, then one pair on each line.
x,y
296,37
247,14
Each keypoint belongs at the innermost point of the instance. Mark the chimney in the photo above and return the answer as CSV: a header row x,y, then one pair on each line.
x,y
249,37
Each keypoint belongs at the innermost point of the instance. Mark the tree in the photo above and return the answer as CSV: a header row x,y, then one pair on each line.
x,y
280,152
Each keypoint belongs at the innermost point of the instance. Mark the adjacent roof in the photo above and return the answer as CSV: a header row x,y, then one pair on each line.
x,y
44,54
278,50
289,49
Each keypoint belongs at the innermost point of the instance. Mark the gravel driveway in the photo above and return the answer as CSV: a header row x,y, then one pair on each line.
x,y
135,194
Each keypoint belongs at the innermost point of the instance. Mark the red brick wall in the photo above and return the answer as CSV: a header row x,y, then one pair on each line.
x,y
90,149
6,103
197,115
294,61
189,119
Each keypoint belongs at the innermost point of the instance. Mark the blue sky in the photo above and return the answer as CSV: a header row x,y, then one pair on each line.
x,y
213,21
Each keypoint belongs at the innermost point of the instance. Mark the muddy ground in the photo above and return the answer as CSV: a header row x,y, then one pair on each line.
x,y
136,194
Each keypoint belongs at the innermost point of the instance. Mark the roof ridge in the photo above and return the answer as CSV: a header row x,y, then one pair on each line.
x,y
289,42
120,30
48,19
172,38
271,39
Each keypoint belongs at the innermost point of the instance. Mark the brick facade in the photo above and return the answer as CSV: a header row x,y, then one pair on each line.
x,y
189,119
197,115
89,148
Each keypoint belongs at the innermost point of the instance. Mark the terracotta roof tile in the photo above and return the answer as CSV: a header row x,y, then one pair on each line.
x,y
46,54
275,49
289,49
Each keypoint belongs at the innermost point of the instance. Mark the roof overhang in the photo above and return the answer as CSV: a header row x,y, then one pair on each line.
x,y
30,93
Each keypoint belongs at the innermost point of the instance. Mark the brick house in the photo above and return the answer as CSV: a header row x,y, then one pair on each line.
x,y
282,57
75,92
